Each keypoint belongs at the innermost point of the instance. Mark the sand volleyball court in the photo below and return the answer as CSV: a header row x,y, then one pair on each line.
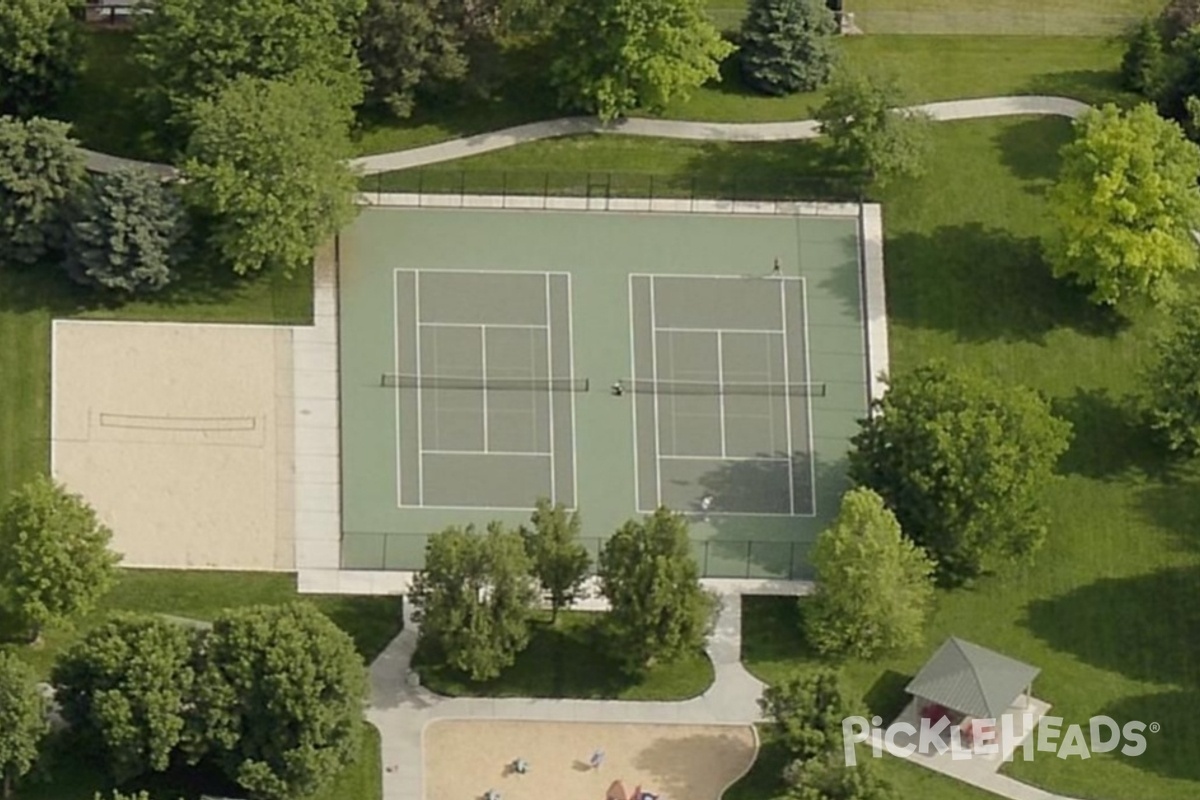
x,y
180,436
466,758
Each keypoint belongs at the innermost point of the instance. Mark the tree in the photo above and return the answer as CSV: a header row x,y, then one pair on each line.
x,y
54,556
192,50
266,166
961,460
560,562
1143,67
788,46
1126,202
617,55
126,689
40,167
871,134
826,777
125,231
279,697
409,46
40,54
874,587
806,710
1179,17
22,719
659,611
474,599
1172,379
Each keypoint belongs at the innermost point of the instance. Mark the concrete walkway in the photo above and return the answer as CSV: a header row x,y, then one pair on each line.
x,y
1037,105
696,131
401,710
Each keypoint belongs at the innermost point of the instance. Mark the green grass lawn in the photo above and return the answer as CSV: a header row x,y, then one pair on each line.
x,y
1108,608
29,299
934,67
567,659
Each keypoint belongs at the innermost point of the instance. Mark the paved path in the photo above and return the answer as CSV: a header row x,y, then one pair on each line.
x,y
696,131
662,128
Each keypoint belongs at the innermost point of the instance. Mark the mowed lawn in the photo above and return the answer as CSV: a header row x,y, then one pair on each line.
x,y
1108,609
568,658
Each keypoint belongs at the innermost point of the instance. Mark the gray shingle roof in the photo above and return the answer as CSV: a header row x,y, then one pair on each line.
x,y
971,679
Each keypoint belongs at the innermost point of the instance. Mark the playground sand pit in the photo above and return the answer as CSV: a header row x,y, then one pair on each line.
x,y
466,758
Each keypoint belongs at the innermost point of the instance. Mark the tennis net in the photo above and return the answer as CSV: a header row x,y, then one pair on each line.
x,y
710,387
409,381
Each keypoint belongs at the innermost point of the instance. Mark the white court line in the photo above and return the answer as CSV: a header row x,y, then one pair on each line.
x,y
720,388
762,459
571,362
808,401
673,275
677,329
549,344
484,371
654,384
538,454
420,414
480,325
637,486
396,362
787,402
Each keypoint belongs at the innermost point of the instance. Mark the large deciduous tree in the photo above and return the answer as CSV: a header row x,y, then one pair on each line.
x,y
874,587
1172,381
22,720
871,133
962,461
787,46
193,49
827,777
409,46
125,232
617,55
659,610
265,166
560,562
1126,203
54,556
474,599
126,689
279,698
806,711
40,167
39,54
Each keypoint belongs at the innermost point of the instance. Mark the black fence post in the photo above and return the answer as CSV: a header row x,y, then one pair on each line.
x,y
504,188
706,544
749,552
651,194
545,190
420,186
792,564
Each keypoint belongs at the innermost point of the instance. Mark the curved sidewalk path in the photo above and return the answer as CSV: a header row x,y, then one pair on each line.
x,y
1019,105
401,710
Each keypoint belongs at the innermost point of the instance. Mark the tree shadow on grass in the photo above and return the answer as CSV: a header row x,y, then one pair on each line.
x,y
887,696
1173,503
985,284
1109,437
1029,149
1093,86
801,170
1146,627
1171,751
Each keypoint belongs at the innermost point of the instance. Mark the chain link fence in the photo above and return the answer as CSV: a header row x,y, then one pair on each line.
x,y
730,186
717,558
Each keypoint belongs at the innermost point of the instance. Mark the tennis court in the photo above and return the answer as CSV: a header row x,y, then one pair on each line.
x,y
613,362
483,372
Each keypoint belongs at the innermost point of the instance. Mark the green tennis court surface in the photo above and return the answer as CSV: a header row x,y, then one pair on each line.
x,y
612,362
